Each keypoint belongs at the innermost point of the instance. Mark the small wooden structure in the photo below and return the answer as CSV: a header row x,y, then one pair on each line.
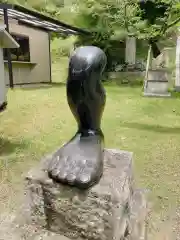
x,y
31,62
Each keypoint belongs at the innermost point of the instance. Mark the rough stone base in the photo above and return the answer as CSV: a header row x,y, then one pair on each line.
x,y
27,232
138,216
112,209
13,227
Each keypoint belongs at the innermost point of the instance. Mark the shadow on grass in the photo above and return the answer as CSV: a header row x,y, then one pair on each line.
x,y
33,87
8,147
153,128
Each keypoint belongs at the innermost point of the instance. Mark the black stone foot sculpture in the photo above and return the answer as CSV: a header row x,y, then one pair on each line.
x,y
80,161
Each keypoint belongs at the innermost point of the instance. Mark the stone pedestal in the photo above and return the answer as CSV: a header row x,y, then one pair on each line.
x,y
130,51
157,84
112,209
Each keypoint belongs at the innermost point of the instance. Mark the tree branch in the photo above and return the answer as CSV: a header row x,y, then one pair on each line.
x,y
125,18
173,23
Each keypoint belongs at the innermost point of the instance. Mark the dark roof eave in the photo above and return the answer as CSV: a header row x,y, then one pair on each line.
x,y
46,30
43,17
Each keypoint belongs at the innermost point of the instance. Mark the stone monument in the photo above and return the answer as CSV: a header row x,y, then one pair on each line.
x,y
82,190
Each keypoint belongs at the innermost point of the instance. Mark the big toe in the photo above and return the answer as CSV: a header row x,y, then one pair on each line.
x,y
85,178
89,176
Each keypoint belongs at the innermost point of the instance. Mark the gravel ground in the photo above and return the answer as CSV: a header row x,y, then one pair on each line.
x,y
10,229
167,228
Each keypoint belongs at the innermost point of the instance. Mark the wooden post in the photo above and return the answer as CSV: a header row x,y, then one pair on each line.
x,y
6,22
50,62
147,67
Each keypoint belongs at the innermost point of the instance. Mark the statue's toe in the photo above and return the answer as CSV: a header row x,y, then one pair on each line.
x,y
62,176
71,178
84,178
53,163
56,167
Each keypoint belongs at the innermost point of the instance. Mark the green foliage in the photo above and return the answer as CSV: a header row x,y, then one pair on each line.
x,y
110,21
117,19
113,20
61,47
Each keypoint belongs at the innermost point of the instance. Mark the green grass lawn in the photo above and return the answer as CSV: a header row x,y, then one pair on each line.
x,y
38,121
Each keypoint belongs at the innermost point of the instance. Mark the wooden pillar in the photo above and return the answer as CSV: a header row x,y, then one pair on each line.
x,y
50,62
10,69
130,53
2,79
